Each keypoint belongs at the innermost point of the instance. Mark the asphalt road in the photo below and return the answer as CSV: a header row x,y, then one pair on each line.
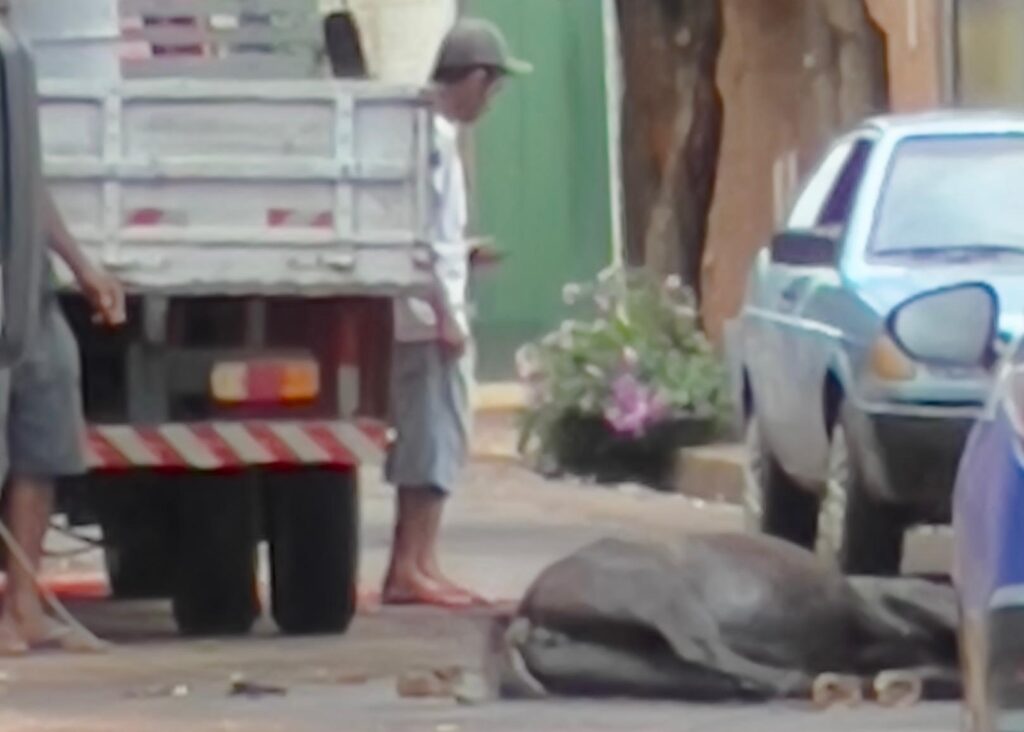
x,y
504,528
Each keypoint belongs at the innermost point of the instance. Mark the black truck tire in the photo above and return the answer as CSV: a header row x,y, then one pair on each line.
x,y
215,584
140,566
313,530
136,513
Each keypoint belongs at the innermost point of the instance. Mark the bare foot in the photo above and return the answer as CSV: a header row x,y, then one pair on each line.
x,y
417,589
435,575
432,571
53,634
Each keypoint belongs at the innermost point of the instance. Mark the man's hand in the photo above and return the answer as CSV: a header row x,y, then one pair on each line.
x,y
454,346
105,294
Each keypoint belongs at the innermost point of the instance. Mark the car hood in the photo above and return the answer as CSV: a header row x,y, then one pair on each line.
x,y
885,291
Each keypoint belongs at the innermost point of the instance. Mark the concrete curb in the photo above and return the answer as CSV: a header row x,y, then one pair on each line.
x,y
496,412
499,397
712,473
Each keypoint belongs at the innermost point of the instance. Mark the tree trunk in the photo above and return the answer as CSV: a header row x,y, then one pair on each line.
x,y
672,125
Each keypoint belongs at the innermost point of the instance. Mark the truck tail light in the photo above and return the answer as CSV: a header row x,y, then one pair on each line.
x,y
265,381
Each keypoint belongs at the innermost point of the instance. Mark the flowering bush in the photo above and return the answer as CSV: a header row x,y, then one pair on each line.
x,y
634,356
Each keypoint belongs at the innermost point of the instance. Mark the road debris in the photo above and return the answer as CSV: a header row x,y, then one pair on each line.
x,y
441,683
472,689
161,691
240,686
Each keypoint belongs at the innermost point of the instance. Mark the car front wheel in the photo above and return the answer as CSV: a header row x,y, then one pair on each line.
x,y
862,535
773,503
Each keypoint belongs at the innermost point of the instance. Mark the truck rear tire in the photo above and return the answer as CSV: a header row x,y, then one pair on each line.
x,y
135,511
139,568
313,529
215,585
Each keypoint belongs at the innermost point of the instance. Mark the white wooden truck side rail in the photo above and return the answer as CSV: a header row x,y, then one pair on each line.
x,y
248,187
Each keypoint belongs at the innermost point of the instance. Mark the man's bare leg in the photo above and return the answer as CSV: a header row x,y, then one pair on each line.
x,y
12,643
417,525
29,506
430,565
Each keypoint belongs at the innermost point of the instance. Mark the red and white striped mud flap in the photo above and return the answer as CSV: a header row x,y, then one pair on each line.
x,y
226,446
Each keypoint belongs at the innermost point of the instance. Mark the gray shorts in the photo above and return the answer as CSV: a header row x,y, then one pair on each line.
x,y
430,412
45,423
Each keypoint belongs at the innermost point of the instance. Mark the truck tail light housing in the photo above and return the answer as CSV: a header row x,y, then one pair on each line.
x,y
265,381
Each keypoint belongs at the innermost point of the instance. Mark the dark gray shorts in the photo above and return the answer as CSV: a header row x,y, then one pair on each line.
x,y
45,423
430,412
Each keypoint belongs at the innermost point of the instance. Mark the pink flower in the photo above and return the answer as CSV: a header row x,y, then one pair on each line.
x,y
634,407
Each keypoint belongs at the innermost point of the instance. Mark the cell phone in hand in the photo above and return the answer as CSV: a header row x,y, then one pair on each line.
x,y
483,253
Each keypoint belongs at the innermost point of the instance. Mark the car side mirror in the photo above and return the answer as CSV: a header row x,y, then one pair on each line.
x,y
952,326
804,248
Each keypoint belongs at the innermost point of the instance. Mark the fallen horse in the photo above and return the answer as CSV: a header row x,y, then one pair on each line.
x,y
725,617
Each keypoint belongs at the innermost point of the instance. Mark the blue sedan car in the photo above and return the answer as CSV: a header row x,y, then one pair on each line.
x,y
852,440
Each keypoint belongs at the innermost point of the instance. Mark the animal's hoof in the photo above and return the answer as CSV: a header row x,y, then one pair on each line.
x,y
898,688
835,690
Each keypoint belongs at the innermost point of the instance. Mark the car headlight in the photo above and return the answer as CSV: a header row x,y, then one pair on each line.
x,y
888,362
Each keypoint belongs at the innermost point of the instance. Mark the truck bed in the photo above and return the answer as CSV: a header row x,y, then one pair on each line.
x,y
311,188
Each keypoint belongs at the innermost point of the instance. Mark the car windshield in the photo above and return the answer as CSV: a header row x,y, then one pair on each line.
x,y
953,194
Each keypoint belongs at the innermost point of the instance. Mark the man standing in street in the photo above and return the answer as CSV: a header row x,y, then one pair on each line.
x,y
45,431
431,357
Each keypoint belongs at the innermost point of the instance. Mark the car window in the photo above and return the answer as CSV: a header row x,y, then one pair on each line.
x,y
839,204
829,191
952,192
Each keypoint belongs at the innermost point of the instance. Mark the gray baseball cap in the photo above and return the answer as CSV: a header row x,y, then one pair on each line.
x,y
473,42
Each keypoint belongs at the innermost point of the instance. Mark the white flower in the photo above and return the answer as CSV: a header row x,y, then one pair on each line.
x,y
571,293
630,356
673,283
527,362
685,312
566,335
595,371
608,274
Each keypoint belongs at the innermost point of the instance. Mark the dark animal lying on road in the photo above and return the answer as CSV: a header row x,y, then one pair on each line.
x,y
723,617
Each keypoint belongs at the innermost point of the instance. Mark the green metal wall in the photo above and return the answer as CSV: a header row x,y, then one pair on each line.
x,y
541,172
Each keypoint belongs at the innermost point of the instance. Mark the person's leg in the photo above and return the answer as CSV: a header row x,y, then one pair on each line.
x,y
455,406
29,505
423,464
45,439
417,518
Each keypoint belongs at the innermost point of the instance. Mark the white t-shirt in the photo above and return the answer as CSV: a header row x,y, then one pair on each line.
x,y
415,318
